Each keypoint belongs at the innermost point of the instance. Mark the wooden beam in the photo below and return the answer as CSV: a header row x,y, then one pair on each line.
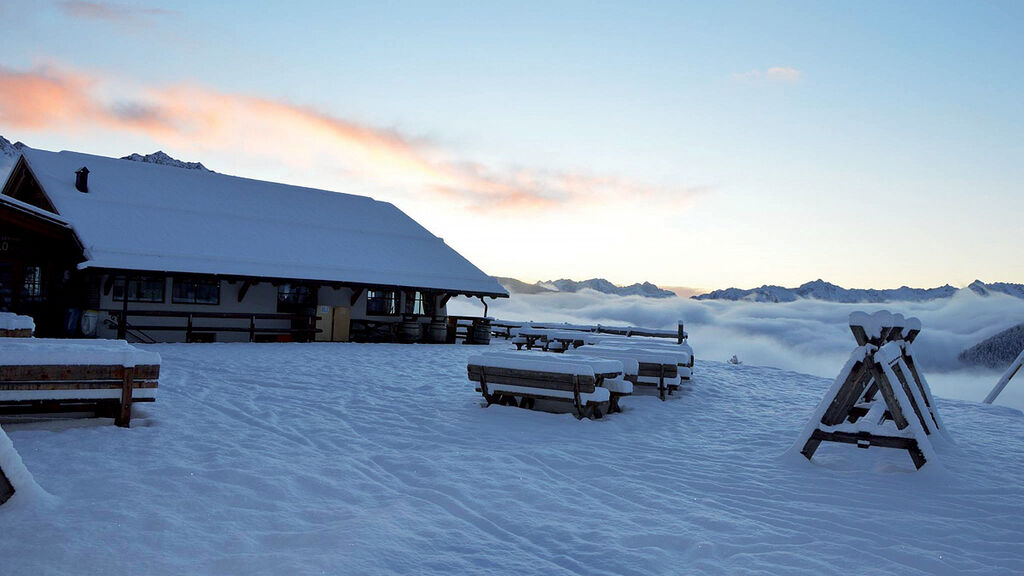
x,y
244,289
444,300
6,488
356,293
122,325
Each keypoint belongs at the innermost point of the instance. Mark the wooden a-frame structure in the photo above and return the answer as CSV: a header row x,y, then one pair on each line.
x,y
880,398
6,487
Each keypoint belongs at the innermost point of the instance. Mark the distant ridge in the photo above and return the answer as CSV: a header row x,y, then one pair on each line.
x,y
645,289
10,152
997,351
826,291
159,157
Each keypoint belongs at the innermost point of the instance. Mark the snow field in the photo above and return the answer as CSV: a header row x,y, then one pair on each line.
x,y
373,459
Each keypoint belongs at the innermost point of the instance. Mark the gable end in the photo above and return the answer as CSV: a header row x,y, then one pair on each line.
x,y
23,185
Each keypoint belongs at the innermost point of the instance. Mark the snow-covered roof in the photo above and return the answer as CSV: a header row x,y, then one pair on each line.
x,y
139,216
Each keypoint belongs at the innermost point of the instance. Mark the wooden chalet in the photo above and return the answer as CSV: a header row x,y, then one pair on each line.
x,y
96,246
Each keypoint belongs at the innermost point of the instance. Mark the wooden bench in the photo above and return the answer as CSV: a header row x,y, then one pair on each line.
x,y
654,368
682,352
15,326
101,376
522,379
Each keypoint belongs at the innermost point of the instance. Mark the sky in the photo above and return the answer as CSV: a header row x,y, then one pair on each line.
x,y
871,144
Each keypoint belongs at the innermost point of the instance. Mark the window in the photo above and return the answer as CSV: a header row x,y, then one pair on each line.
x,y
296,294
140,289
418,303
32,289
195,291
382,302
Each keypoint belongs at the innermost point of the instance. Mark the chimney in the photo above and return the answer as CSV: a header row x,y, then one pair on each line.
x,y
82,180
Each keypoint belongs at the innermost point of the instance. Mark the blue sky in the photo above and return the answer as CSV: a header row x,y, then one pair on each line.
x,y
700,144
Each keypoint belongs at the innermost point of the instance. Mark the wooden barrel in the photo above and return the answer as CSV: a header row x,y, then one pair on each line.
x,y
480,333
437,332
410,332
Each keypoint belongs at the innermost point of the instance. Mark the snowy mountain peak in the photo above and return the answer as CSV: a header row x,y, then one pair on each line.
x,y
821,290
162,158
7,149
645,289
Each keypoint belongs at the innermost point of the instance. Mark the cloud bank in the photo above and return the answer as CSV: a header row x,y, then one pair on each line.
x,y
805,336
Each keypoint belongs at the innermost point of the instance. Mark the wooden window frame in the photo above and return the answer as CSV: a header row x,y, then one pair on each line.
x,y
286,294
194,283
32,287
389,298
119,281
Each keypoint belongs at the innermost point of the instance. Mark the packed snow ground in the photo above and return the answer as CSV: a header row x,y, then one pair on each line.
x,y
379,459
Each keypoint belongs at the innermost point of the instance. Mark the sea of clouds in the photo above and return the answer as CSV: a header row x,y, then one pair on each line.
x,y
808,336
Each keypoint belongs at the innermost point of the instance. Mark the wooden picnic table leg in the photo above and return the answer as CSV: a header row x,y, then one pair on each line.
x,y
124,413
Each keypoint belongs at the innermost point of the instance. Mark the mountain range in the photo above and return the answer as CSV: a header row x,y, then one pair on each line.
x,y
821,290
564,285
9,153
159,157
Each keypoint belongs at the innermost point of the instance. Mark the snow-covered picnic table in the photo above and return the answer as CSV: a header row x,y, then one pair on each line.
x,y
655,367
551,340
40,375
14,326
592,385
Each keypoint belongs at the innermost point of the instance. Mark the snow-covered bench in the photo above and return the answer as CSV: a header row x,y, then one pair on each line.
x,y
654,368
683,352
592,386
15,326
50,375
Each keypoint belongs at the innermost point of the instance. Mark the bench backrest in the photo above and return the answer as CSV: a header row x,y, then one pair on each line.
x,y
530,378
76,373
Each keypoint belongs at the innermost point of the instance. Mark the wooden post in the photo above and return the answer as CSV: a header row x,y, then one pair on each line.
x,y
6,488
124,413
1010,373
680,334
252,328
188,327
122,326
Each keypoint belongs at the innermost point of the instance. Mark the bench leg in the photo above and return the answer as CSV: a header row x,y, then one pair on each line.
x,y
124,414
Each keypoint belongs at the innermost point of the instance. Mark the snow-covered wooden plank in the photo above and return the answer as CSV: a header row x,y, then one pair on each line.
x,y
1014,367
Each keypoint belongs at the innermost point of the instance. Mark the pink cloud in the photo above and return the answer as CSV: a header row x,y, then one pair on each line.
x,y
197,118
108,11
774,73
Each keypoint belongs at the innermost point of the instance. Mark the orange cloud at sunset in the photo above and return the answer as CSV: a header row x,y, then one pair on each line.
x,y
197,118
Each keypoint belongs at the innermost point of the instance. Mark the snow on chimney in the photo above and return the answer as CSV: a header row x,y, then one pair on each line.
x,y
82,180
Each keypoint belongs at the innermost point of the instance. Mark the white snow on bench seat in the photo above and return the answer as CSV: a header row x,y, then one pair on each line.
x,y
644,356
682,355
12,321
530,362
52,351
599,365
618,386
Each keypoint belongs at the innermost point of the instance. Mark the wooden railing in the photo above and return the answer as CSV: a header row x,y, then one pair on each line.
x,y
308,320
504,328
